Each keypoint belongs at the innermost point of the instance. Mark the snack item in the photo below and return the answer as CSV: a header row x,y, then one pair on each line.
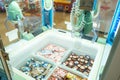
x,y
52,52
60,74
36,69
91,62
82,63
70,76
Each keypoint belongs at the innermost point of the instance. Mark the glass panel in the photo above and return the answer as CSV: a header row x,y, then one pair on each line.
x,y
62,13
114,26
29,14
31,10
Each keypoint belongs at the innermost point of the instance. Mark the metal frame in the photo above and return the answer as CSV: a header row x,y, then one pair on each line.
x,y
4,57
5,65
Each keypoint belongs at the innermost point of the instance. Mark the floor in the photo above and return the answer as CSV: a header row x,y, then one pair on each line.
x,y
60,18
3,30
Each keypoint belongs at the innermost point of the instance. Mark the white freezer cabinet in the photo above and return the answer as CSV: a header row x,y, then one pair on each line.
x,y
70,53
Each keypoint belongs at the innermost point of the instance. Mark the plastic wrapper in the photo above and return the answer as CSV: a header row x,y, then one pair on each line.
x,y
53,52
60,74
81,63
37,69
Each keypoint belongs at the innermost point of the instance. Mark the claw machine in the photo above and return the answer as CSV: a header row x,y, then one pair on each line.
x,y
56,55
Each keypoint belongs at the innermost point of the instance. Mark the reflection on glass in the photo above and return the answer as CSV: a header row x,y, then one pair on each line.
x,y
3,75
108,11
31,10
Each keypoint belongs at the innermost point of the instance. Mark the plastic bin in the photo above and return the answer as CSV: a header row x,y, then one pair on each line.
x,y
79,46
